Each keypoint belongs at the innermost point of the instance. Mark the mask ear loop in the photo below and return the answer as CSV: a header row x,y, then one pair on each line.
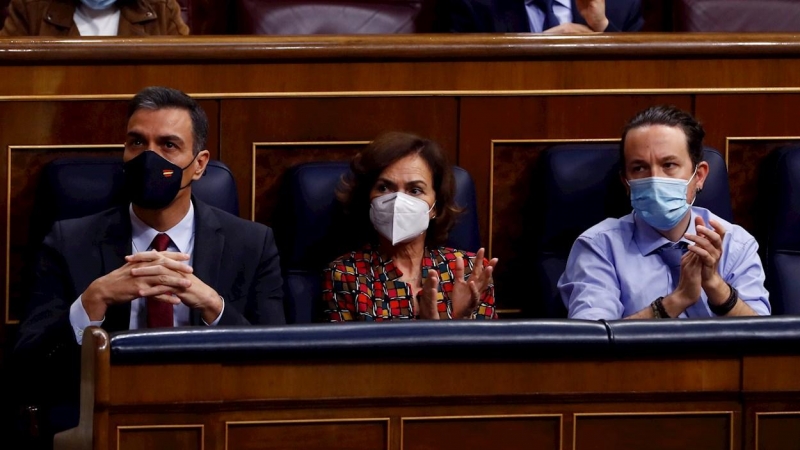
x,y
431,209
187,166
696,191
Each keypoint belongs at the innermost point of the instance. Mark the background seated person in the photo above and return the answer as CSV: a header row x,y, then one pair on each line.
x,y
551,16
666,258
400,199
166,259
94,18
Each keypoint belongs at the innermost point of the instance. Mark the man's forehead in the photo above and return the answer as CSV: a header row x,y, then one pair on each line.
x,y
160,121
660,142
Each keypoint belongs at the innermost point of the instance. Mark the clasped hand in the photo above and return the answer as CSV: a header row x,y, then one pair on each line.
x,y
466,294
164,276
700,265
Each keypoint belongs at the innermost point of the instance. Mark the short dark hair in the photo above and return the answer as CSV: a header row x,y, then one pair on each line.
x,y
354,189
159,97
670,116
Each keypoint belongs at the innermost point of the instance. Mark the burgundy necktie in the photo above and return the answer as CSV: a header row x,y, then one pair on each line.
x,y
159,314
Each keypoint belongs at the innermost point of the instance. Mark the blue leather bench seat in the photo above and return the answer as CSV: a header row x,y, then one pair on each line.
x,y
514,340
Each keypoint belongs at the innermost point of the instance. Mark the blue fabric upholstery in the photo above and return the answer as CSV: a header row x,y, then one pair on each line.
x,y
515,340
508,340
729,336
311,232
580,185
77,187
779,228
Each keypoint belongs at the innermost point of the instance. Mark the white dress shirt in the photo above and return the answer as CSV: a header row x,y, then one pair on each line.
x,y
181,240
92,22
561,8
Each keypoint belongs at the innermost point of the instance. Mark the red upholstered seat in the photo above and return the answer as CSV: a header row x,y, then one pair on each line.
x,y
737,15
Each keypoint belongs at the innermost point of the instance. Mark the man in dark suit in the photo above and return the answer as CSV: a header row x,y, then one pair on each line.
x,y
550,16
164,260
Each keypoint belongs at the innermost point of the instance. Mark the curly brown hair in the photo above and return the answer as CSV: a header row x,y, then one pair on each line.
x,y
365,168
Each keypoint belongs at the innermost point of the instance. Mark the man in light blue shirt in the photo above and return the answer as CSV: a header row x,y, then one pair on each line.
x,y
666,259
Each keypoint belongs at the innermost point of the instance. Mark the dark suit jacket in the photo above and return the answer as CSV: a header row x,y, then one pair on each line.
x,y
236,257
510,16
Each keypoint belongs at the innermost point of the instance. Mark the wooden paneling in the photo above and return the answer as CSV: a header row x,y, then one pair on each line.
x,y
160,438
309,435
778,431
508,433
271,161
748,128
654,431
295,122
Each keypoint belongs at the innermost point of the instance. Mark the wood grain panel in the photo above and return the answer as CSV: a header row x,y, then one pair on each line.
x,y
745,171
654,431
778,431
245,122
508,433
287,380
309,435
484,120
770,373
272,161
160,438
553,72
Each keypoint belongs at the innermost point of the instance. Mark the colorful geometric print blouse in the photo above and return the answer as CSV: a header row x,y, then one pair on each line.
x,y
363,286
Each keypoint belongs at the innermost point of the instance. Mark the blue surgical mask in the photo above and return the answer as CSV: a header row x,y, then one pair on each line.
x,y
660,201
98,4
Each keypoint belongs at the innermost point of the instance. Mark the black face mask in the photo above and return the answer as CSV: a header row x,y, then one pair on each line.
x,y
152,182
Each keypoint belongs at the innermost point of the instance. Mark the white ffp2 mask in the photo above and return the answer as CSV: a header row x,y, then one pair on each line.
x,y
399,217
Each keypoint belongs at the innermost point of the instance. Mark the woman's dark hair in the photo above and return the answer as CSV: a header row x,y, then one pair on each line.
x,y
672,117
354,189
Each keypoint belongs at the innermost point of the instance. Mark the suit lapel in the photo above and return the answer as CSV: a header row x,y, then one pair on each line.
x,y
114,246
209,241
512,17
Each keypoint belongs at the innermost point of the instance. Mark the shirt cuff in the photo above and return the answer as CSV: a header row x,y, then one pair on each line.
x,y
79,319
216,321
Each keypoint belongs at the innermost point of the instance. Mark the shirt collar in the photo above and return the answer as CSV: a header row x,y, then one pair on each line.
x,y
181,234
648,239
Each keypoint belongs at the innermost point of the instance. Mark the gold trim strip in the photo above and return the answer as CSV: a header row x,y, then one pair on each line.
x,y
9,149
422,93
731,415
523,141
151,427
257,145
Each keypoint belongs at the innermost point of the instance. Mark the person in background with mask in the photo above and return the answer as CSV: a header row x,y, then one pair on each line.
x,y
94,18
667,258
166,259
404,186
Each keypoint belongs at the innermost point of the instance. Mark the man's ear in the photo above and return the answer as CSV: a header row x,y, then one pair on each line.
x,y
624,182
200,163
701,175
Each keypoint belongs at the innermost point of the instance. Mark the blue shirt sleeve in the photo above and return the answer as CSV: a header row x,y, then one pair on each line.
x,y
743,270
589,286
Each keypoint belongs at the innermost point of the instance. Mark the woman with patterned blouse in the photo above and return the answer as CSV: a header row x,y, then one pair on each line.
x,y
399,197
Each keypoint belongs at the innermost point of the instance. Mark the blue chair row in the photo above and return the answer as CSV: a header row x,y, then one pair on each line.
x,y
579,186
